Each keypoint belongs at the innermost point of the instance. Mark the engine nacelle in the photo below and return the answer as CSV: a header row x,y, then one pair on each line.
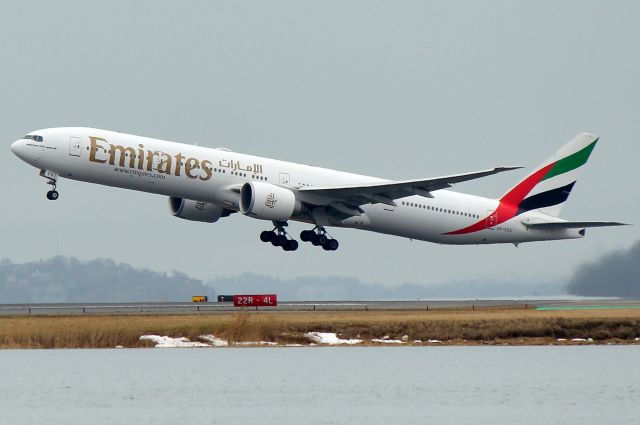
x,y
196,210
267,201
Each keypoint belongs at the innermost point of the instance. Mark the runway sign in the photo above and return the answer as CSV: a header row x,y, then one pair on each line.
x,y
264,300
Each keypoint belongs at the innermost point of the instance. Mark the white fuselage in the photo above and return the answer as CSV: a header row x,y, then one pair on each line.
x,y
214,175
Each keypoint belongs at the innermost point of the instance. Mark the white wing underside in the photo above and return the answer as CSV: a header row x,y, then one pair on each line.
x,y
347,199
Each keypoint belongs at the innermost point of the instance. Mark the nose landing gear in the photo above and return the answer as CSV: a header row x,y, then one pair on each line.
x,y
53,194
319,237
279,237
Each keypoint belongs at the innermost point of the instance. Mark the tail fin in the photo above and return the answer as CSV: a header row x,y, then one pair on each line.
x,y
548,187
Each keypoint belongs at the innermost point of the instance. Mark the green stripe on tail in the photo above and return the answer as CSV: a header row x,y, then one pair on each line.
x,y
571,162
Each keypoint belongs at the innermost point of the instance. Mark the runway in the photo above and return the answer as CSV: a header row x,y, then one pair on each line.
x,y
284,306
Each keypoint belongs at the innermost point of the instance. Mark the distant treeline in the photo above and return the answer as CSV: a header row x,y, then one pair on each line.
x,y
614,275
67,279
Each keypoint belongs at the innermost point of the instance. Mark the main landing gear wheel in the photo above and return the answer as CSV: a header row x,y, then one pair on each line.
x,y
279,237
319,237
330,245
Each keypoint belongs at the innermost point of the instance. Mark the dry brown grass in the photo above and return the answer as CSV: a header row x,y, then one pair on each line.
x,y
456,326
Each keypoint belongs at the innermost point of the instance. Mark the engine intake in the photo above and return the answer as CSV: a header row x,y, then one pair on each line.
x,y
188,209
267,201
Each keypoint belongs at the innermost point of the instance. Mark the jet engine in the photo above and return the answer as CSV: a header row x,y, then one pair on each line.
x,y
196,210
268,202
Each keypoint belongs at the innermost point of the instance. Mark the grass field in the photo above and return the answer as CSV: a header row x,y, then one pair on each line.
x,y
454,327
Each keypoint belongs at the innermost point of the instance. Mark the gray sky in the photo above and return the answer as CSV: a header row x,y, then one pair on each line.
x,y
391,89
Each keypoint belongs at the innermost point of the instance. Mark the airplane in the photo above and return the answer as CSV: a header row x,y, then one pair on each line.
x,y
205,184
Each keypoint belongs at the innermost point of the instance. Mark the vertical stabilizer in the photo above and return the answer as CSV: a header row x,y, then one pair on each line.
x,y
547,188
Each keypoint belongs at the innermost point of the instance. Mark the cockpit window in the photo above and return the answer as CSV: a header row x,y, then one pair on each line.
x,y
33,137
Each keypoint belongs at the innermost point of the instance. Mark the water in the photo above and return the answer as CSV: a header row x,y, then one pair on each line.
x,y
355,385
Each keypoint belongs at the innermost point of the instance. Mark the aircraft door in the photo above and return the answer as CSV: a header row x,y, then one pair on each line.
x,y
284,179
75,146
492,218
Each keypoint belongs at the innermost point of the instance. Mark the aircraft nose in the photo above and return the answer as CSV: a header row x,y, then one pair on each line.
x,y
15,147
18,148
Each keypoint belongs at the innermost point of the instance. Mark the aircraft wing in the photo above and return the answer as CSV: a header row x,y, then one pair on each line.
x,y
387,192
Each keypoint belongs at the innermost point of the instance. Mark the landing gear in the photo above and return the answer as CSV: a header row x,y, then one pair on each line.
x,y
53,194
279,237
319,237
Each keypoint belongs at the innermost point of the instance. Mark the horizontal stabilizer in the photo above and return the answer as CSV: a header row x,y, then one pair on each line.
x,y
573,224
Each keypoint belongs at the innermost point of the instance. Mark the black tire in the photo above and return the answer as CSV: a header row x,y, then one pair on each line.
x,y
279,240
306,235
267,236
52,195
333,244
322,239
328,245
315,239
292,245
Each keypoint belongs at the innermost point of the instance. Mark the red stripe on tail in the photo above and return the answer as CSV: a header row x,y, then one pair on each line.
x,y
508,207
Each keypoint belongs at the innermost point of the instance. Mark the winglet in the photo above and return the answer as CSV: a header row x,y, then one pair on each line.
x,y
509,168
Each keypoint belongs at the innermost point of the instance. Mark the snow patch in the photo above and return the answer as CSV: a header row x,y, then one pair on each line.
x,y
214,340
578,340
385,340
434,341
168,342
330,338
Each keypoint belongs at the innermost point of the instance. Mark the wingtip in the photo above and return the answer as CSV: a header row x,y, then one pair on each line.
x,y
508,168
